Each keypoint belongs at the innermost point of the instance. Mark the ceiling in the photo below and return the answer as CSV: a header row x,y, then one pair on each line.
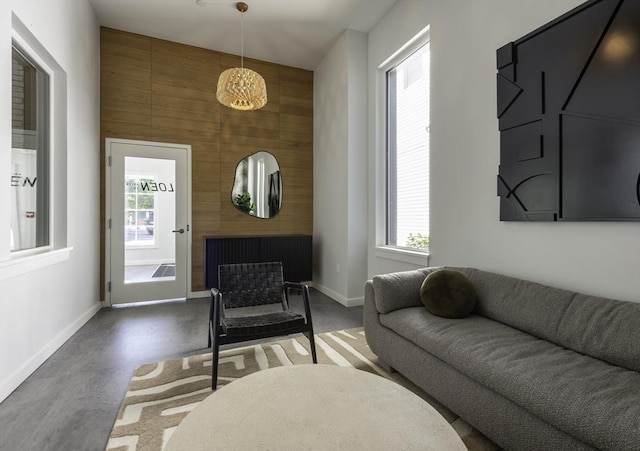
x,y
296,33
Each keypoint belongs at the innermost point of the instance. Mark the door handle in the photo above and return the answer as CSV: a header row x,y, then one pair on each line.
x,y
178,231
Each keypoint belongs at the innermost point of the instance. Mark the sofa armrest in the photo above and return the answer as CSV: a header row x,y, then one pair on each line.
x,y
399,289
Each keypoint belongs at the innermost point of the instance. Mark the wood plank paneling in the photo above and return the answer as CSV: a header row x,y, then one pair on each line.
x,y
156,90
111,36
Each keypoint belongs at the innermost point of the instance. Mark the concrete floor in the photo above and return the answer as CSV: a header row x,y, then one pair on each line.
x,y
70,403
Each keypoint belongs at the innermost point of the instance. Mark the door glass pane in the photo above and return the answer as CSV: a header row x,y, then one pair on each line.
x,y
149,219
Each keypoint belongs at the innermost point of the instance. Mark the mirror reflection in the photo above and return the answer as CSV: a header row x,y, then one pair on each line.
x,y
257,188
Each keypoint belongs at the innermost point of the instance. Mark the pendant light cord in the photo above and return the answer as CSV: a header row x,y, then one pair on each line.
x,y
241,40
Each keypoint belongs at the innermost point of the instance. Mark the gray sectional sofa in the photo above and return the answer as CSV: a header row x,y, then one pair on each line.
x,y
533,367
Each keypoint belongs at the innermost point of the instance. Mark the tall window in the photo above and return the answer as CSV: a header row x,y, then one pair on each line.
x,y
29,154
407,189
140,210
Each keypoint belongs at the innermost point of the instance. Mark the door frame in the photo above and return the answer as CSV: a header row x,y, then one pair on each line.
x,y
107,229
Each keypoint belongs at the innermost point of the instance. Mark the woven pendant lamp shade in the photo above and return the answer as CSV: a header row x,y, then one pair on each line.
x,y
242,89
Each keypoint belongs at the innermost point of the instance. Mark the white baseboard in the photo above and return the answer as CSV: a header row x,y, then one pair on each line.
x,y
14,380
198,294
347,302
352,302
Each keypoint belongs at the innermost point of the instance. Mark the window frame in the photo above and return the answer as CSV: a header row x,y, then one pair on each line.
x,y
44,148
383,250
17,263
139,244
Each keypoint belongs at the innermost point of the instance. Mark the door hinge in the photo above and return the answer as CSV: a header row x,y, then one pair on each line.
x,y
187,227
109,223
109,160
109,287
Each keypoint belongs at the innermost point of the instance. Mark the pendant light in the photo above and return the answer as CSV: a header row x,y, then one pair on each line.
x,y
241,88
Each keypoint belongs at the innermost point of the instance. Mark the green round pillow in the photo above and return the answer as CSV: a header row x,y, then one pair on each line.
x,y
448,293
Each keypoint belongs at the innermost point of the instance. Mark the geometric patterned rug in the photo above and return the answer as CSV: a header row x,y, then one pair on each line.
x,y
161,394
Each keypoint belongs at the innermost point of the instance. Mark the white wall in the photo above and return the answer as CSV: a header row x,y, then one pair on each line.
x,y
357,175
44,302
596,258
339,176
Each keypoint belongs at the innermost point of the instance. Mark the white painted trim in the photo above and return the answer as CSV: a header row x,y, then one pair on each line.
x,y
380,136
189,217
347,302
187,148
23,38
24,265
12,382
198,294
107,216
146,262
353,302
403,255
407,49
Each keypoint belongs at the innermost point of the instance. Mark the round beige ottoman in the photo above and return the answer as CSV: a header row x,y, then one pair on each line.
x,y
314,407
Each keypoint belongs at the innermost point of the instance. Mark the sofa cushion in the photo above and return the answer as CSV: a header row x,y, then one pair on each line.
x,y
560,386
527,306
603,328
448,293
399,290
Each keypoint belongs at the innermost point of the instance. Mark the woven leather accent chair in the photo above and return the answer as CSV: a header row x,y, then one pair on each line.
x,y
253,285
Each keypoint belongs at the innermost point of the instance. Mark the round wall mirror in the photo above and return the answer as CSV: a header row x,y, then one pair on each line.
x,y
257,188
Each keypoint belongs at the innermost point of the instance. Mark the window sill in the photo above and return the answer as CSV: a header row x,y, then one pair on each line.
x,y
403,255
18,266
137,247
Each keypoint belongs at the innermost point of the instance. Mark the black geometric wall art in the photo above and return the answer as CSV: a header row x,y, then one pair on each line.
x,y
569,117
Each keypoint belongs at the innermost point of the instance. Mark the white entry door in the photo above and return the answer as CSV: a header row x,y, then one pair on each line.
x,y
148,233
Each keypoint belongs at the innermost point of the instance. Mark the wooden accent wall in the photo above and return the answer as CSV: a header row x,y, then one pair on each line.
x,y
156,90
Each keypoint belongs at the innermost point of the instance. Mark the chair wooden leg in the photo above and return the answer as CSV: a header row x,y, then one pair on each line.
x,y
211,312
215,351
312,345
